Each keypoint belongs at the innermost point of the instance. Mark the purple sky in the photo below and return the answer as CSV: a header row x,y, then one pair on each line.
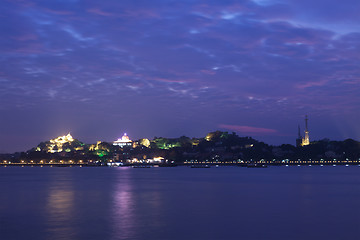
x,y
98,69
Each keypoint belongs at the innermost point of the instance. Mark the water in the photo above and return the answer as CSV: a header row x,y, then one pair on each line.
x,y
180,203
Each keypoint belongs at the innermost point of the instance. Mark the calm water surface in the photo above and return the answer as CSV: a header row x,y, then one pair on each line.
x,y
180,203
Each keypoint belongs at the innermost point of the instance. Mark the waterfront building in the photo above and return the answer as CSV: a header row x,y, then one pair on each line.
x,y
124,141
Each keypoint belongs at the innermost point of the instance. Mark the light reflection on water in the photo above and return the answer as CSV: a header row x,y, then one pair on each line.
x,y
137,204
60,207
123,207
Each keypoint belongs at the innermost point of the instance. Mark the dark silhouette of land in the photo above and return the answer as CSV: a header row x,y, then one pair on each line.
x,y
216,148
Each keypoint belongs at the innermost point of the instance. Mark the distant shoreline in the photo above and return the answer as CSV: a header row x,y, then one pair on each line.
x,y
248,164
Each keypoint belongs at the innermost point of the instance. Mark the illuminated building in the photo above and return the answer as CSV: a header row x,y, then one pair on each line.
x,y
124,141
306,140
95,147
145,142
155,160
195,141
303,141
56,144
208,137
212,136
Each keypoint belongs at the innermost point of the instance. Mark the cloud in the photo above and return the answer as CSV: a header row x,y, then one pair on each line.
x,y
308,84
261,59
249,130
76,35
100,12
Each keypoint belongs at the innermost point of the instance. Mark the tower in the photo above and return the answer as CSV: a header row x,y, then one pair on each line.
x,y
306,140
303,141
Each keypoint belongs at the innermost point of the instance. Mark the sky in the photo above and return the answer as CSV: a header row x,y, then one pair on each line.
x,y
164,68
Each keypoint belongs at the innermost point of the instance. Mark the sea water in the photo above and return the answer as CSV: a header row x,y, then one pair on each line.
x,y
180,203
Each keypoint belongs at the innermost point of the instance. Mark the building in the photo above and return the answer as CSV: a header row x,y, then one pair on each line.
x,y
56,144
124,141
303,141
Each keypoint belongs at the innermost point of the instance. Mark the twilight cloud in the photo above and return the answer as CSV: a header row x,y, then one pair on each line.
x,y
248,129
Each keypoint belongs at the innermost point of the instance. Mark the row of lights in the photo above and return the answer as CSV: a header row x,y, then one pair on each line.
x,y
44,162
282,161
